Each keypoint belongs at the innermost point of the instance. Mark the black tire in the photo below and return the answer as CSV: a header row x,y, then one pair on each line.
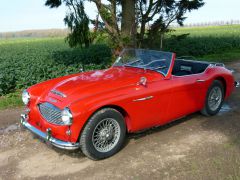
x,y
207,111
87,145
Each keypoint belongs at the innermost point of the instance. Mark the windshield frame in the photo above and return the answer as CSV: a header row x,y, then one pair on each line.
x,y
118,59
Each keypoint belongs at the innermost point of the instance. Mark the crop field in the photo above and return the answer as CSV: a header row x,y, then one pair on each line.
x,y
218,43
24,62
215,31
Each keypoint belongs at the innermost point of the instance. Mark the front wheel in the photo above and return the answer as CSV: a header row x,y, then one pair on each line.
x,y
214,99
104,134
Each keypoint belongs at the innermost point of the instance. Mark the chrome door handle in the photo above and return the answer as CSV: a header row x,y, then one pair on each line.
x,y
143,99
200,80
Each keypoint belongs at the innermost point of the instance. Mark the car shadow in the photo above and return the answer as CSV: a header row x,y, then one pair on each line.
x,y
77,153
73,153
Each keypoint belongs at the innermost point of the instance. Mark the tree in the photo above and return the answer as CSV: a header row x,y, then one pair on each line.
x,y
161,13
77,22
127,21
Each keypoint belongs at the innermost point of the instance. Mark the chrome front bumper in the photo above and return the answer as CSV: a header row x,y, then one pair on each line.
x,y
47,136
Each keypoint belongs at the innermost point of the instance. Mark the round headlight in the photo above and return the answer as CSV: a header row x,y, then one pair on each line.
x,y
25,97
67,116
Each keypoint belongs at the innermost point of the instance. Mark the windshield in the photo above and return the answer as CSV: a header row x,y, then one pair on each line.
x,y
146,59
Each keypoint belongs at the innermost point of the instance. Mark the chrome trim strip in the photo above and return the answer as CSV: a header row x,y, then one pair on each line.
x,y
45,136
143,99
200,80
58,93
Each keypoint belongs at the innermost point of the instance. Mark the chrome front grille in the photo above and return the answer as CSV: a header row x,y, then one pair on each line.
x,y
51,113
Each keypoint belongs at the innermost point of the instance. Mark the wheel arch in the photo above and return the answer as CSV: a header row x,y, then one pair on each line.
x,y
122,111
116,107
224,82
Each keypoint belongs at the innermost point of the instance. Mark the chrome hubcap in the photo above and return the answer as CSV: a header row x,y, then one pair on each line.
x,y
106,135
215,98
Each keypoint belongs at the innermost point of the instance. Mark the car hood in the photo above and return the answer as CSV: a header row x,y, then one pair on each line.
x,y
94,82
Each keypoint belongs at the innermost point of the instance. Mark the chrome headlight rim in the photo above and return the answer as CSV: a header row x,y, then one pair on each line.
x,y
25,97
67,116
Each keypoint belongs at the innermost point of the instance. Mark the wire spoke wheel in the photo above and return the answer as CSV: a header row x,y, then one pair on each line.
x,y
215,98
106,135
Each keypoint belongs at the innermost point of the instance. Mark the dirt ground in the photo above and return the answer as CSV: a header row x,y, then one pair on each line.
x,y
195,147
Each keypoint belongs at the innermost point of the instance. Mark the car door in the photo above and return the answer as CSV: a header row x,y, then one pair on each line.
x,y
187,95
150,105
150,102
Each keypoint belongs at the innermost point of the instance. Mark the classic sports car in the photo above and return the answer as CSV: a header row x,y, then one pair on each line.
x,y
144,88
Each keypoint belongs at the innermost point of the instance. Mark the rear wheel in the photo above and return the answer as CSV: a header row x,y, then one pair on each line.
x,y
214,99
104,134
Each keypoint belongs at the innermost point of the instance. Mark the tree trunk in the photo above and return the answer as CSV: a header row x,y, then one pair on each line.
x,y
142,32
128,24
161,40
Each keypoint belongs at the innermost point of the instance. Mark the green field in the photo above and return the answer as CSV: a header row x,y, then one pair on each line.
x,y
215,31
216,43
24,62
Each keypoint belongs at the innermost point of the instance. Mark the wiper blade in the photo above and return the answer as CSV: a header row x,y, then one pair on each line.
x,y
132,66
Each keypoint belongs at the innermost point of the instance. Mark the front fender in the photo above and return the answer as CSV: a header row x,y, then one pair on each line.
x,y
83,109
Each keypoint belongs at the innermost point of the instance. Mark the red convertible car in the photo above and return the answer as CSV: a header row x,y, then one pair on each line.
x,y
94,110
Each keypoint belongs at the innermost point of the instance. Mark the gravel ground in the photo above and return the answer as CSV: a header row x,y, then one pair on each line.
x,y
195,147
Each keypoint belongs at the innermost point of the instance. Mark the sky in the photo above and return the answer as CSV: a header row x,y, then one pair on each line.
x,y
16,15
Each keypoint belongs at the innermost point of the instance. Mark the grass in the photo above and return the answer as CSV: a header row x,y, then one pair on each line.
x,y
11,100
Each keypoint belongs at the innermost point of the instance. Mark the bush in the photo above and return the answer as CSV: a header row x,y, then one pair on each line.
x,y
98,54
199,46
